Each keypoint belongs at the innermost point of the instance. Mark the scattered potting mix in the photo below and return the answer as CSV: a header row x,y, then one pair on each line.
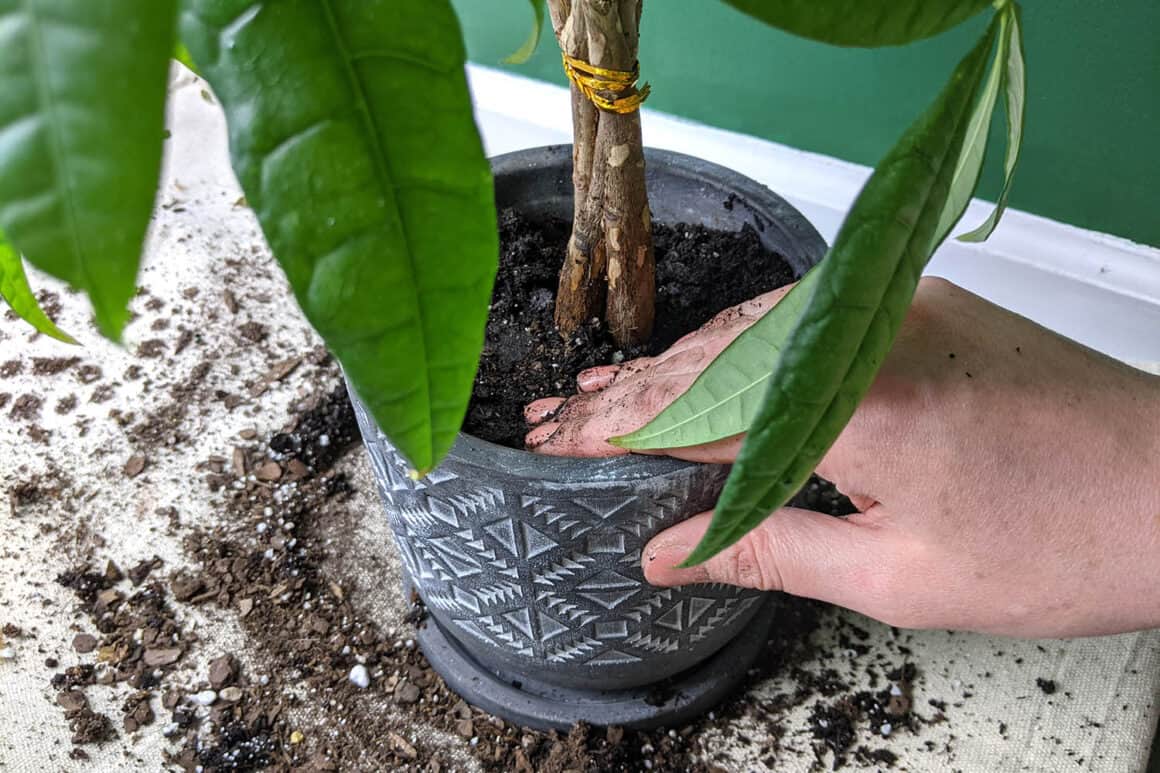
x,y
331,690
259,647
198,574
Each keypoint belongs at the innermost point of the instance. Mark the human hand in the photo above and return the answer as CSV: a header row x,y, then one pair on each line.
x,y
1007,477
617,399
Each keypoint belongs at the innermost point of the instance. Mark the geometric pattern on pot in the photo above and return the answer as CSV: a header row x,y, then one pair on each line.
x,y
544,577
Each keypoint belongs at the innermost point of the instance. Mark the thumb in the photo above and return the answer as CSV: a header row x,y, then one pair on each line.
x,y
796,551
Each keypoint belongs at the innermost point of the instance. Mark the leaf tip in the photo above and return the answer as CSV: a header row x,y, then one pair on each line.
x,y
637,440
110,323
698,556
525,51
63,337
622,441
519,57
112,334
709,546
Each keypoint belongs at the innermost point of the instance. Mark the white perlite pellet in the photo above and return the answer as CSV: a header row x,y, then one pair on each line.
x,y
359,676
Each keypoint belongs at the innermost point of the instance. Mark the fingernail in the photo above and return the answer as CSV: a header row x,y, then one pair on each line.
x,y
662,567
596,378
543,409
540,435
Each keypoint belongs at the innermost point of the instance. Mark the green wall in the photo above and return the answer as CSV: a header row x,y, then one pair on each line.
x,y
1091,152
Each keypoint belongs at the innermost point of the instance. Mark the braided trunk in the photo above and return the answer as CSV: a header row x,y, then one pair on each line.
x,y
609,268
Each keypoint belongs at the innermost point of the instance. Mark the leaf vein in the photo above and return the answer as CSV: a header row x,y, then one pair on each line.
x,y
398,56
383,171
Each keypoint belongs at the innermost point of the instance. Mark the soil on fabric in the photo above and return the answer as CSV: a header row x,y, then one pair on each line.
x,y
305,710
700,272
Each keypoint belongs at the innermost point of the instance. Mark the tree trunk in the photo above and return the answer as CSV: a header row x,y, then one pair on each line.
x,y
580,294
610,261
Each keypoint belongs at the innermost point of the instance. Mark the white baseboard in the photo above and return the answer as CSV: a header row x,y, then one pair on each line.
x,y
1098,289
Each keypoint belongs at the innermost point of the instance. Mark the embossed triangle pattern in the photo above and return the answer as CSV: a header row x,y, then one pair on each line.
x,y
546,571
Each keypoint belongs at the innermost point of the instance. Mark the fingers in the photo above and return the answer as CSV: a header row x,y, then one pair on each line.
x,y
540,435
541,410
595,379
796,551
556,439
617,399
571,438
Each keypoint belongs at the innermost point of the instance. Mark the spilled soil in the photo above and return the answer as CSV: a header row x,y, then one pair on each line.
x,y
368,687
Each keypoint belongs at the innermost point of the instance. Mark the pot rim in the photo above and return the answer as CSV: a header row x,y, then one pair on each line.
x,y
767,208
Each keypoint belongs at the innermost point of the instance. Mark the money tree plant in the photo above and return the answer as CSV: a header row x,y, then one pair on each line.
x,y
352,135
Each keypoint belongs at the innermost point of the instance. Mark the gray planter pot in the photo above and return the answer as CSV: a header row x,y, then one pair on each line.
x,y
530,565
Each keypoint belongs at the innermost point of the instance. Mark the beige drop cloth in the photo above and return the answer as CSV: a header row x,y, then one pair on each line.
x,y
1101,718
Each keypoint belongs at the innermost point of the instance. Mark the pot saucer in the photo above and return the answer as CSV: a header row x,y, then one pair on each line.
x,y
532,703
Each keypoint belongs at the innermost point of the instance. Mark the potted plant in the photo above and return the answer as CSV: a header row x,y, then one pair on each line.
x,y
352,136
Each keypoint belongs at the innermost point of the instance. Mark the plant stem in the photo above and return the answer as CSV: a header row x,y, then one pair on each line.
x,y
610,259
580,294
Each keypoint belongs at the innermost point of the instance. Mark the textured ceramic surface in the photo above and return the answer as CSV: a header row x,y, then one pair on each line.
x,y
532,563
542,576
529,702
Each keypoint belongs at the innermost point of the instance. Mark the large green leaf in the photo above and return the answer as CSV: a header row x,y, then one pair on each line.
x,y
863,23
726,396
351,131
82,108
1015,80
865,284
525,51
15,290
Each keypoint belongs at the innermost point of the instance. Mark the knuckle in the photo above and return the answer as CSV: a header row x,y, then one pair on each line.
x,y
750,564
574,408
755,307
655,396
721,318
681,362
633,367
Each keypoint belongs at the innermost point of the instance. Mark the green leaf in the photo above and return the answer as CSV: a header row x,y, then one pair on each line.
x,y
966,177
524,52
1015,80
865,285
15,290
725,398
352,133
82,109
862,23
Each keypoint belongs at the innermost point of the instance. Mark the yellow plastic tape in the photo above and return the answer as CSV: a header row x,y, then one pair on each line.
x,y
607,88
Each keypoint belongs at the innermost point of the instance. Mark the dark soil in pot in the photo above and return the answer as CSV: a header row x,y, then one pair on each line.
x,y
700,271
